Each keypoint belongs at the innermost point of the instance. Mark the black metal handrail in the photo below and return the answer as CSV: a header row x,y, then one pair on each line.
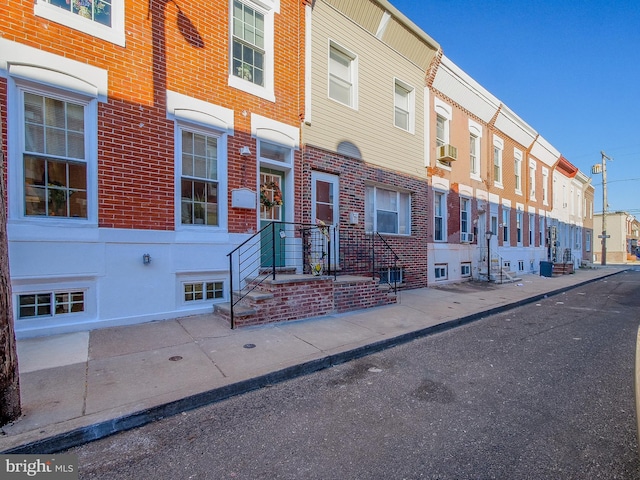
x,y
305,248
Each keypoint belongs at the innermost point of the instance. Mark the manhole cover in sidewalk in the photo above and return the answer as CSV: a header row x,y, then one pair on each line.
x,y
249,345
175,358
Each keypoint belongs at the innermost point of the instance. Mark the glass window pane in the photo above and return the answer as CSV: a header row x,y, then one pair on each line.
x,y
387,222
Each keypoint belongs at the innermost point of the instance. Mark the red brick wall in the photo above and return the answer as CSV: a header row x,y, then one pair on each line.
x,y
181,48
354,175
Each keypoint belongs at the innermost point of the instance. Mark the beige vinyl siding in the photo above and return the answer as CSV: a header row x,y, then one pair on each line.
x,y
371,127
363,12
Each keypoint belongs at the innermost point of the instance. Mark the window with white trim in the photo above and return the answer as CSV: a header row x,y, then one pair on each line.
x,y
498,147
200,190
56,136
519,226
532,180
404,105
545,186
506,213
202,291
532,230
343,75
439,216
248,44
251,49
441,271
50,304
465,216
465,269
100,18
474,148
587,246
444,114
541,232
387,211
475,134
518,170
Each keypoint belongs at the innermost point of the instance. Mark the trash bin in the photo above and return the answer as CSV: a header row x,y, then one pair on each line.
x,y
546,269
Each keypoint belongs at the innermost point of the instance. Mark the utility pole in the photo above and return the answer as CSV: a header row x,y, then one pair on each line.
x,y
602,168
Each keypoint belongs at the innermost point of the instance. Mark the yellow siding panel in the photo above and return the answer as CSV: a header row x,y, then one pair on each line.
x,y
363,12
407,43
371,127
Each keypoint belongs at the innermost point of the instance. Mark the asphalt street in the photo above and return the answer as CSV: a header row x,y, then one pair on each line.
x,y
541,391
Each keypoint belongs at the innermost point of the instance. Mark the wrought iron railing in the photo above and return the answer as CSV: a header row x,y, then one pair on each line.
x,y
316,249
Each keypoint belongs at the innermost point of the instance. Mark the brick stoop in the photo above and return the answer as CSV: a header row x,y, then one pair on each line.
x,y
562,269
293,297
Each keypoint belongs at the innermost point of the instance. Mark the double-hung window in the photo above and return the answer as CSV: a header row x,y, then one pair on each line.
x,y
439,216
545,186
473,154
506,213
54,155
498,147
199,182
387,211
532,230
404,106
101,18
532,180
519,226
248,44
518,170
465,215
342,76
475,134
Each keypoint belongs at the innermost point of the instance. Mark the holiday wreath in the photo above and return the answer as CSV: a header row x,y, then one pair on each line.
x,y
265,198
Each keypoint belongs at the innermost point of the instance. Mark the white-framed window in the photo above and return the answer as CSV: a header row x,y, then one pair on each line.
x,y
343,75
519,226
387,211
465,269
50,304
541,232
532,229
251,48
532,180
404,106
103,19
200,154
521,265
545,186
200,291
439,216
444,114
465,219
498,147
475,134
506,214
273,153
587,245
55,133
441,271
518,170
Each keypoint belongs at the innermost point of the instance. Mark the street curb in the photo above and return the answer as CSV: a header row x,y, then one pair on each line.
x,y
82,435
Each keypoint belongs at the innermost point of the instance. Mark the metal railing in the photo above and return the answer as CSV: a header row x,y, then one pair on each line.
x,y
312,249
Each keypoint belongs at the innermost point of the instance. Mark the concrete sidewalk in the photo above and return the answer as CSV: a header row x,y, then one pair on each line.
x,y
82,386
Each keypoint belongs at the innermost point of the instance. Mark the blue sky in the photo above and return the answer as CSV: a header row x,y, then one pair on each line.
x,y
569,68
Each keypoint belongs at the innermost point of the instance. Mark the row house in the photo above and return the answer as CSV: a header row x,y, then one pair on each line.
x,y
364,134
623,230
156,150
503,199
489,175
137,136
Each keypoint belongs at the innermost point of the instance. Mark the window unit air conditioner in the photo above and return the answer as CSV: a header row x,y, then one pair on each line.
x,y
466,237
447,153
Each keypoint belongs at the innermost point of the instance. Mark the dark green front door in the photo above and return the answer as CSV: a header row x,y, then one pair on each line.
x,y
271,210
